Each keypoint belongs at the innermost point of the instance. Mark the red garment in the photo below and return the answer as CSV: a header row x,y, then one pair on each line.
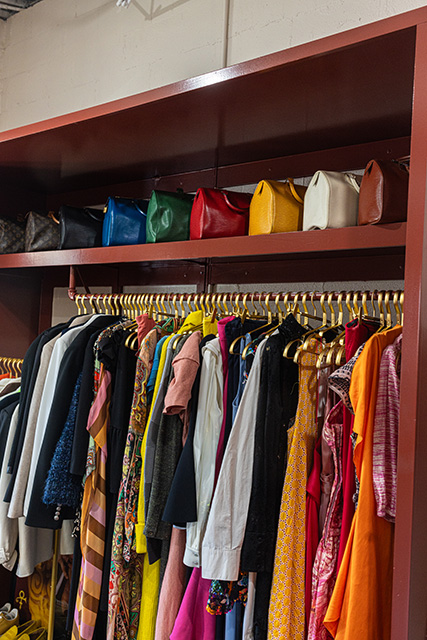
x,y
224,354
185,366
173,586
324,568
355,335
144,325
312,524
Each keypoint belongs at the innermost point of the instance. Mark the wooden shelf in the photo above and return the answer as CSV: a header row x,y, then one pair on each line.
x,y
335,92
356,239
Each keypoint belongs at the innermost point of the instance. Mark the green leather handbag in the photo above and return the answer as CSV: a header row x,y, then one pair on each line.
x,y
168,216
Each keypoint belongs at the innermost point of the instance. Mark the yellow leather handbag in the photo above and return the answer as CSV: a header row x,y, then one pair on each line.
x,y
276,207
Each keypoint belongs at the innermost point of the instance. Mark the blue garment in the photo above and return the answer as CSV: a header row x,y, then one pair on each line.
x,y
61,487
234,622
234,618
245,340
154,369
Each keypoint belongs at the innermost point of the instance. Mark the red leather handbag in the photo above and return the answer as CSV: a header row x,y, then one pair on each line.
x,y
217,213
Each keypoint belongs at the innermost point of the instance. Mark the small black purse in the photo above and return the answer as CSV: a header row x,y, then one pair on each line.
x,y
80,227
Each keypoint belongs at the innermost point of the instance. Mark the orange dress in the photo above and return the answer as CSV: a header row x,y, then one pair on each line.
x,y
360,606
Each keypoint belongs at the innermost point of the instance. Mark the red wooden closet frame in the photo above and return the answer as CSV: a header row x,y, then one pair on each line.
x,y
235,126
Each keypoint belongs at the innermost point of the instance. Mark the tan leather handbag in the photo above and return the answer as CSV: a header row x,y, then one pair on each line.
x,y
332,201
276,207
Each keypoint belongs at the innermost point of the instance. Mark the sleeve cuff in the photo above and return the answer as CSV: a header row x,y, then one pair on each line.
x,y
141,540
220,564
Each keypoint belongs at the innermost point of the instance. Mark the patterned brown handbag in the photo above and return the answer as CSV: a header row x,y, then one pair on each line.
x,y
41,232
12,236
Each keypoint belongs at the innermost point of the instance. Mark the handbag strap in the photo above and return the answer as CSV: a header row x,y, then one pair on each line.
x,y
294,191
233,206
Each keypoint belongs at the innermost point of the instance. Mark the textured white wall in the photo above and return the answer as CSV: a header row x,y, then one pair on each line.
x,y
64,55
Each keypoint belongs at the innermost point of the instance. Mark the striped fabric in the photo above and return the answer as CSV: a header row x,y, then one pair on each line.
x,y
384,448
93,516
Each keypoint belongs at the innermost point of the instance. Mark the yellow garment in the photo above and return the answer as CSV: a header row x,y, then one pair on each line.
x,y
209,326
141,544
151,573
286,616
360,606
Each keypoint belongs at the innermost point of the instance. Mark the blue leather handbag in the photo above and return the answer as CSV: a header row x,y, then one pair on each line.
x,y
124,222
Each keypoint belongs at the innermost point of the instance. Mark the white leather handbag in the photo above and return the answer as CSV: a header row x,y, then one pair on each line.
x,y
331,201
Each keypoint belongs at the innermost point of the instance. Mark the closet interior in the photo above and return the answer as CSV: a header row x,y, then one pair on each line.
x,y
331,104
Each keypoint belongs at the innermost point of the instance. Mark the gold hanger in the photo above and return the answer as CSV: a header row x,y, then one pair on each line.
x,y
77,301
189,303
278,308
181,304
396,296
92,305
329,348
108,305
271,316
115,303
268,323
304,306
389,320
348,298
304,340
100,303
243,317
134,302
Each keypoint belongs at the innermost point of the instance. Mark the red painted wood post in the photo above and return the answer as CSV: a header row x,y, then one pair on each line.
x,y
410,556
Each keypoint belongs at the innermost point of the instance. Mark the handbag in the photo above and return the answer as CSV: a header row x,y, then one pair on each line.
x,y
41,232
124,222
217,213
331,201
168,216
12,236
383,192
80,228
276,207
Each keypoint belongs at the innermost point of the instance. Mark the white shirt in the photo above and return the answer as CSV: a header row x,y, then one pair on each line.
x,y
16,506
226,524
61,345
206,435
8,528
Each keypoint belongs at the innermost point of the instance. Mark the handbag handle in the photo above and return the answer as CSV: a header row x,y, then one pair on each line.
x,y
139,208
353,181
294,191
51,215
233,206
92,214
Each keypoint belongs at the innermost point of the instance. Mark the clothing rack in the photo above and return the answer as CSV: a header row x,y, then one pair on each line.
x,y
258,304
